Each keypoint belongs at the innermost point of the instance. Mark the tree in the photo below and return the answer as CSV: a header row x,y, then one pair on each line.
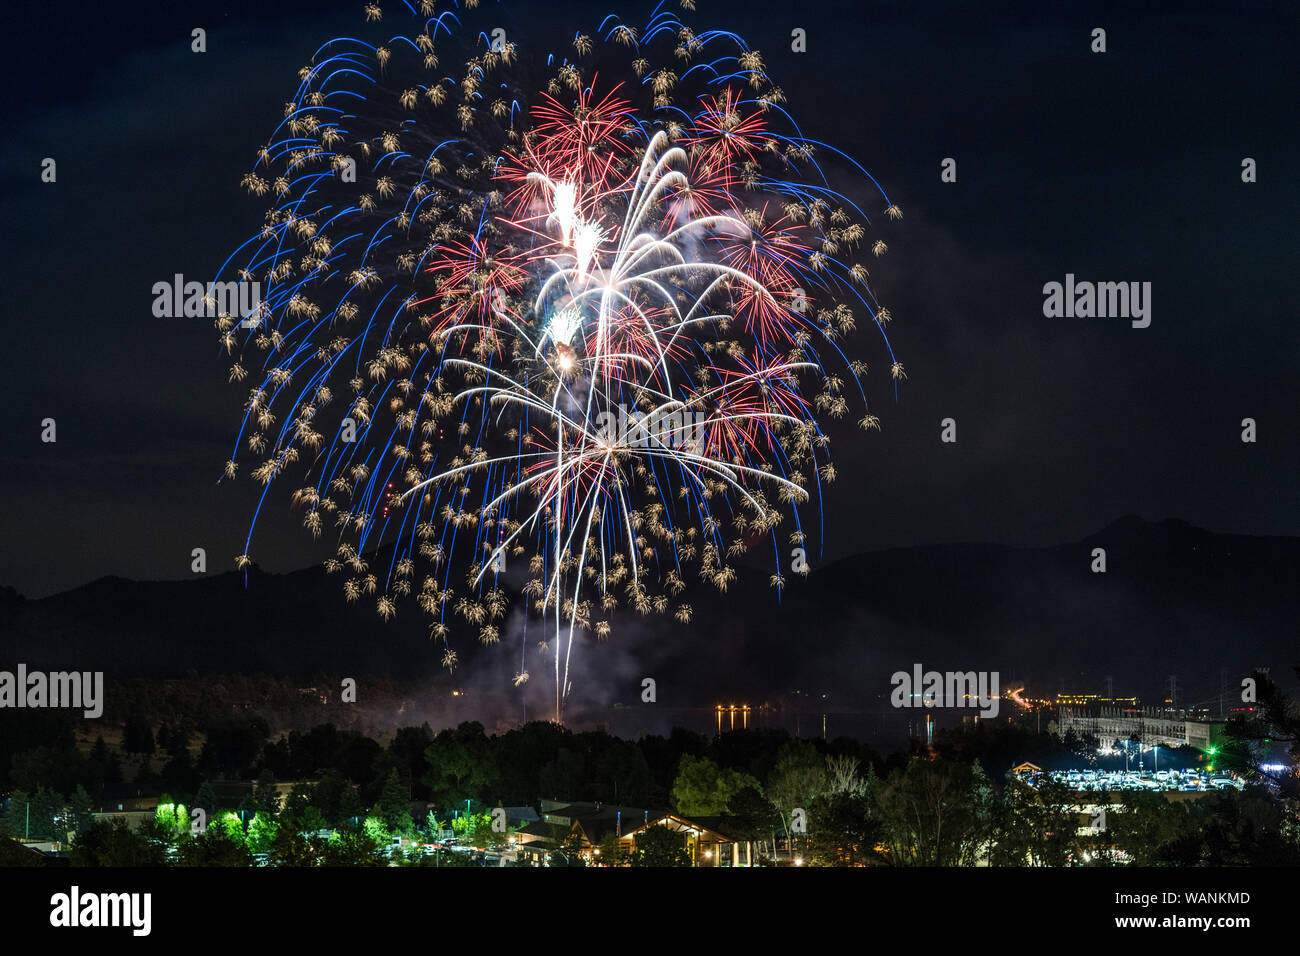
x,y
262,830
57,769
842,830
394,806
618,771
350,848
566,774
1252,741
432,827
703,789
1036,826
174,740
1142,828
114,843
227,826
14,854
137,735
311,821
659,846
375,830
102,766
521,756
796,781
930,814
47,815
613,851
752,816
233,744
213,848
172,819
978,839
291,849
17,817
570,852
266,798
207,799
81,808
460,765
298,801
179,772
1250,828
350,809
407,752
358,757
328,796
277,758
476,828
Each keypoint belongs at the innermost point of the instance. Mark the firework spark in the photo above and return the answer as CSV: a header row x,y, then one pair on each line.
x,y
468,279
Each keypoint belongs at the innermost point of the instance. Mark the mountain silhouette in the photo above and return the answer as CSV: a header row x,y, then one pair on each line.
x,y
1174,599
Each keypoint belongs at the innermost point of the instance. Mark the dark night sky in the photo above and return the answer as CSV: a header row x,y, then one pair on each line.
x,y
1122,166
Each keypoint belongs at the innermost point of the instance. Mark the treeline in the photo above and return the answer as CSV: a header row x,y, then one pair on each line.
x,y
824,810
285,703
836,802
830,803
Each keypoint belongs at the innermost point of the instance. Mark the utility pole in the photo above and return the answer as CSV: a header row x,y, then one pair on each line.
x,y
1173,692
1110,687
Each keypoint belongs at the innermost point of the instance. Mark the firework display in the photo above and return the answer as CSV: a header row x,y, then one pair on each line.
x,y
571,317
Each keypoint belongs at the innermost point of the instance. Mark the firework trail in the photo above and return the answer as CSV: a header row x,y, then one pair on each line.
x,y
581,310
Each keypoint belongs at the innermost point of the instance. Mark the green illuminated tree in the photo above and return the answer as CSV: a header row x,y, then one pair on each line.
x,y
351,848
262,830
172,819
376,831
703,789
226,826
